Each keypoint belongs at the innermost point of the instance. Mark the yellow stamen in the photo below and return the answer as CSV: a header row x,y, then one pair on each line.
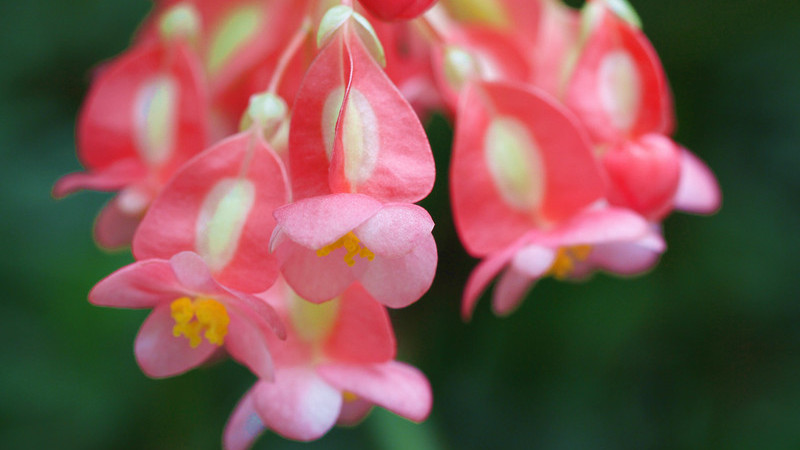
x,y
565,260
352,244
348,396
203,315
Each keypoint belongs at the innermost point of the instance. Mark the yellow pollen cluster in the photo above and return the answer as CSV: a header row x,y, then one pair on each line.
x,y
353,246
566,258
201,315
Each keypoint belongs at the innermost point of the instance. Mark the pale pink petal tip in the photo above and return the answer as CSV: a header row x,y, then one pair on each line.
x,y
244,426
698,189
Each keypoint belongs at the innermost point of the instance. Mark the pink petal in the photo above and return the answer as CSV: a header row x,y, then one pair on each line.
x,y
115,228
395,229
161,354
247,344
180,217
318,221
596,226
298,404
244,426
397,9
483,274
380,148
698,190
510,290
362,333
192,272
489,217
398,282
398,387
315,278
353,412
533,260
628,257
143,284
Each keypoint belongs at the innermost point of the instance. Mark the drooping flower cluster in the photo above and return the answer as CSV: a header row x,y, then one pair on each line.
x,y
267,155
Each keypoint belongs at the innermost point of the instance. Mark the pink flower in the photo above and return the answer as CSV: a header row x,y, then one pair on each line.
x,y
352,131
144,117
616,240
219,205
193,316
326,244
336,362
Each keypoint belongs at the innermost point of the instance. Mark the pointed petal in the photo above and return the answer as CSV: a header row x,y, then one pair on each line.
x,y
112,178
143,284
520,161
161,354
220,205
298,404
380,148
398,282
698,190
398,387
395,229
363,333
318,221
510,290
628,257
244,426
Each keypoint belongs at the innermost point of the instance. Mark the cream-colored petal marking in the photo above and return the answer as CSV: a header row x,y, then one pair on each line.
x,y
221,220
620,88
154,115
515,163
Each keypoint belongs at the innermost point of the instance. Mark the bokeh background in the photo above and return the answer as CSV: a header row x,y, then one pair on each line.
x,y
703,352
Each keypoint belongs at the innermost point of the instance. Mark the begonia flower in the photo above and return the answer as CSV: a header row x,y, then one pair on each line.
x,y
336,362
351,130
615,240
193,316
145,115
520,161
325,244
219,205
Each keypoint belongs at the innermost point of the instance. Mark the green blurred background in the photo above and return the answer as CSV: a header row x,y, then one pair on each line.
x,y
703,352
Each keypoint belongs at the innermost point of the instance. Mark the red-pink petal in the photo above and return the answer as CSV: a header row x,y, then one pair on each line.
x,y
501,191
698,191
482,275
241,174
362,333
115,228
628,257
143,284
298,404
244,425
398,282
112,178
596,226
318,221
161,354
398,387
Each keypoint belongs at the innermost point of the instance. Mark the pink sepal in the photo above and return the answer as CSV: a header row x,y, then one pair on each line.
x,y
398,387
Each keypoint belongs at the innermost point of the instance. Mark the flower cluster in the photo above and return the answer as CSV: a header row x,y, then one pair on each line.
x,y
267,157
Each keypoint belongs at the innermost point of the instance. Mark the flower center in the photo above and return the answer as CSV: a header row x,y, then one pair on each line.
x,y
566,258
353,246
202,315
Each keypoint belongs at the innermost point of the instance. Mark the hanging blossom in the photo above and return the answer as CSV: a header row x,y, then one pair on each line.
x,y
267,157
